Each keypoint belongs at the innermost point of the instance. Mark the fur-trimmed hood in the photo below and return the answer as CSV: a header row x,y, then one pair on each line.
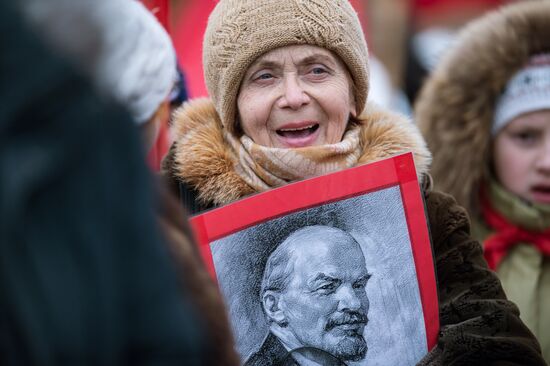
x,y
201,158
456,106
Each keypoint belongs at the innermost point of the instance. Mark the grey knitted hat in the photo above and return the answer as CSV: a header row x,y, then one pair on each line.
x,y
239,31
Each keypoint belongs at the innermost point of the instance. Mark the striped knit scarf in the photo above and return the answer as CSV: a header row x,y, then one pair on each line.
x,y
264,168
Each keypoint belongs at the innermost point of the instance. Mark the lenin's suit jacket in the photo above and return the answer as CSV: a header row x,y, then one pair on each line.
x,y
273,353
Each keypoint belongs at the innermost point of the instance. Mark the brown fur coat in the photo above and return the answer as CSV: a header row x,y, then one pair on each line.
x,y
200,158
455,108
478,325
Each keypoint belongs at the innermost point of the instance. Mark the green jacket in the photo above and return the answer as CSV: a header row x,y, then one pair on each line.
x,y
524,272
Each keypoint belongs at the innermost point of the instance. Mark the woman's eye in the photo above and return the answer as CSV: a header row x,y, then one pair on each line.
x,y
318,70
264,76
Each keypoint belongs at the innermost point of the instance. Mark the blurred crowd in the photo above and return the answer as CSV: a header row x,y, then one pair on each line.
x,y
120,118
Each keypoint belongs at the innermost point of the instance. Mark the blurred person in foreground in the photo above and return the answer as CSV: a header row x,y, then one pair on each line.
x,y
84,277
288,102
130,60
486,116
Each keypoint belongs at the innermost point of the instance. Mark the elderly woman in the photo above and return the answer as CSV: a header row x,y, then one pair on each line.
x,y
289,83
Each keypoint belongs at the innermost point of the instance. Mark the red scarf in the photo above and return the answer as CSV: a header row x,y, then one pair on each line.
x,y
507,235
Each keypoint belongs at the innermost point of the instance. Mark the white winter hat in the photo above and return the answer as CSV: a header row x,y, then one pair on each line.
x,y
119,43
527,91
139,62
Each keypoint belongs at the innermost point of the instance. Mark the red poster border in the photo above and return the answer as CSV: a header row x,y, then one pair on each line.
x,y
396,171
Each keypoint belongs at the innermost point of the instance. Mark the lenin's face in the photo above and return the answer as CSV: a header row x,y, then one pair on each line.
x,y
325,303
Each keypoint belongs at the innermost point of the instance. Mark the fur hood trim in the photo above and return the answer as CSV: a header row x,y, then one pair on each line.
x,y
456,106
201,158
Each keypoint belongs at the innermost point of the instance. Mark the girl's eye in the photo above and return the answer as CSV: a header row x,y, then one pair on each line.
x,y
525,137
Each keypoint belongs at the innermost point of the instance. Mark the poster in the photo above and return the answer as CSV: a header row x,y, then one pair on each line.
x,y
333,270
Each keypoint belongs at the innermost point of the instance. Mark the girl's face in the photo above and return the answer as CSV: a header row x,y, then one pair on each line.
x,y
521,154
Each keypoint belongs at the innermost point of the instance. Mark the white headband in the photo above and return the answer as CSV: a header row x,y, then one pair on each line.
x,y
527,91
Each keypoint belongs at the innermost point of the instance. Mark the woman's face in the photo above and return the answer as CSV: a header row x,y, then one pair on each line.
x,y
296,96
522,156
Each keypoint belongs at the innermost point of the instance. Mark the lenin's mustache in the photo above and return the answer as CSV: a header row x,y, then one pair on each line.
x,y
352,317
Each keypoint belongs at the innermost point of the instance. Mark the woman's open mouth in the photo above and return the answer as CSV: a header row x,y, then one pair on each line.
x,y
298,135
541,193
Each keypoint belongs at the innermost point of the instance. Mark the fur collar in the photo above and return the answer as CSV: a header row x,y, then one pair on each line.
x,y
200,156
455,108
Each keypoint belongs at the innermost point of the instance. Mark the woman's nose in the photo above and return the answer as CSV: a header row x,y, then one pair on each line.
x,y
293,94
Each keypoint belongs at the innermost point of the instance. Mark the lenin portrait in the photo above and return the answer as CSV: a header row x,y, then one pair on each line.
x,y
333,284
314,297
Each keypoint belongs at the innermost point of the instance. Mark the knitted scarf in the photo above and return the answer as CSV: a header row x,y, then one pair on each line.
x,y
264,168
507,235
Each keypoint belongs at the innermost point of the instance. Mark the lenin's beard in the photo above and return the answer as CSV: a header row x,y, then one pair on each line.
x,y
352,346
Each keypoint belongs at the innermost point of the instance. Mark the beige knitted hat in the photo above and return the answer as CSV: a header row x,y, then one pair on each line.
x,y
239,31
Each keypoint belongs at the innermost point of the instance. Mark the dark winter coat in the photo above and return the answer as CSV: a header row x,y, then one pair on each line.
x,y
479,326
85,275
